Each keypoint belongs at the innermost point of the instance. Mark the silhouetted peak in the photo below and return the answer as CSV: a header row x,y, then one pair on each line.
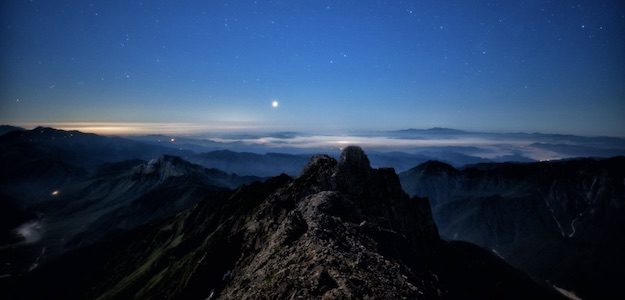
x,y
54,131
444,130
353,173
45,129
354,158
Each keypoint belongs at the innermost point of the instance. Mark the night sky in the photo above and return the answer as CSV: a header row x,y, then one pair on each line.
x,y
549,66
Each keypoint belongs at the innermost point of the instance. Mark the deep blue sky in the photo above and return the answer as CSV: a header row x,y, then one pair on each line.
x,y
550,66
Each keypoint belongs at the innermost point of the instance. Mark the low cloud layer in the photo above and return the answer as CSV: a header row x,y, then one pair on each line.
x,y
481,145
239,136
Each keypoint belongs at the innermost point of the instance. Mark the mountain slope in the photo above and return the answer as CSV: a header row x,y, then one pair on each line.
x,y
135,195
118,197
560,221
339,230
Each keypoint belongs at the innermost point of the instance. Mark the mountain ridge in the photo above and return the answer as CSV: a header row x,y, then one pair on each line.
x,y
339,230
560,221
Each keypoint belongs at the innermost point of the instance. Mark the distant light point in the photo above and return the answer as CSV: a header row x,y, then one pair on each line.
x,y
55,193
172,140
275,104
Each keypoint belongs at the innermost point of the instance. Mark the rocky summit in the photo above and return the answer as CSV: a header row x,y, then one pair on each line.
x,y
340,230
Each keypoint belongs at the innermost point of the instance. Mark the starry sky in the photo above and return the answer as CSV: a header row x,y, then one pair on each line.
x,y
548,66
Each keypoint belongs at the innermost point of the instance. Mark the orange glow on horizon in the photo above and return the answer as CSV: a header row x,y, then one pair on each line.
x,y
128,128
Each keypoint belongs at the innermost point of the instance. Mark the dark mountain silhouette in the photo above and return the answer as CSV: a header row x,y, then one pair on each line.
x,y
560,221
8,128
78,148
339,230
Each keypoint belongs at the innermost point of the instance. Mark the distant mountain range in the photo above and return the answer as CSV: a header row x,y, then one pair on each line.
x,y
269,164
287,152
456,147
560,221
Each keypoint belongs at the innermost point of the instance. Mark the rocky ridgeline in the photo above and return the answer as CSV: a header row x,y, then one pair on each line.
x,y
345,230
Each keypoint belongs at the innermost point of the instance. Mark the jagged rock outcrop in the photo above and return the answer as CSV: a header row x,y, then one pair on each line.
x,y
341,230
350,232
